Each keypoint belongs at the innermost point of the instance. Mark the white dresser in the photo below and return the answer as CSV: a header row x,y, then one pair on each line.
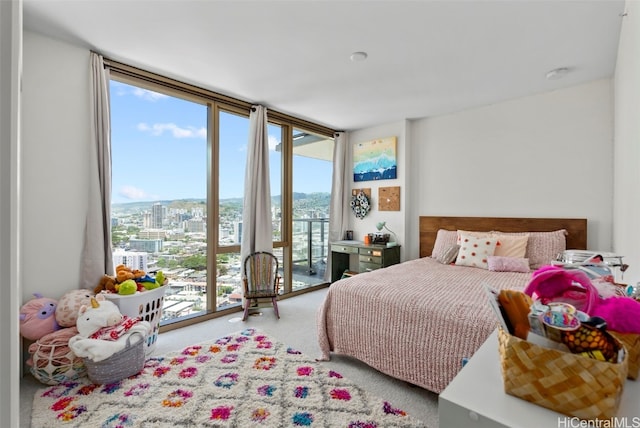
x,y
476,398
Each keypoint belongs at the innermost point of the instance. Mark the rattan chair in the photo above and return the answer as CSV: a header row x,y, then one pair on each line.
x,y
261,280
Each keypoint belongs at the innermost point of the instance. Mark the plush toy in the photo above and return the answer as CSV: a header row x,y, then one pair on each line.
x,y
37,317
107,282
103,330
69,305
127,287
621,313
124,273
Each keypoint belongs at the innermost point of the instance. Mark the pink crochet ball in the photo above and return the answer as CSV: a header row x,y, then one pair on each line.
x,y
37,317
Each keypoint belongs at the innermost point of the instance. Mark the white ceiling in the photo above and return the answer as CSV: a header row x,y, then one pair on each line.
x,y
425,58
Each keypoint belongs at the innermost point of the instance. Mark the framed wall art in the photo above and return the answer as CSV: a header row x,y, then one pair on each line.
x,y
375,160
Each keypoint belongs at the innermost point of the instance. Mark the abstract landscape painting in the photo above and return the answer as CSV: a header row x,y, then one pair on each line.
x,y
375,160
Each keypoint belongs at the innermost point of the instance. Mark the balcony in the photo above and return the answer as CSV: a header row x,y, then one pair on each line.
x,y
310,247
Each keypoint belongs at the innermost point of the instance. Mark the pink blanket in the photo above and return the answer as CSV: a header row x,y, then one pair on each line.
x,y
414,321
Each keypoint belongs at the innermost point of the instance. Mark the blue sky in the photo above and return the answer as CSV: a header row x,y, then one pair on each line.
x,y
159,150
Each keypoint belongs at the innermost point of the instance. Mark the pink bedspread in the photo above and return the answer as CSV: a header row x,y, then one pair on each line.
x,y
414,321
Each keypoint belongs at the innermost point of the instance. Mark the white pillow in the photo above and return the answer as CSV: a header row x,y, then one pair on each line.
x,y
511,246
475,251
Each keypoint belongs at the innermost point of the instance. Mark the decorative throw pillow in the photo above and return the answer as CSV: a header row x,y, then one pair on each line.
x,y
471,233
507,264
444,240
475,251
542,247
511,246
449,256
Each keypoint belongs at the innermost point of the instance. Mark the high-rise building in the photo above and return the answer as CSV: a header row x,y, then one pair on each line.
x,y
195,225
131,259
146,245
152,234
157,215
146,220
238,232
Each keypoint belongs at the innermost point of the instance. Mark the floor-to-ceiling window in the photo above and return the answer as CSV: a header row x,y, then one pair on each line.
x,y
179,156
312,171
159,191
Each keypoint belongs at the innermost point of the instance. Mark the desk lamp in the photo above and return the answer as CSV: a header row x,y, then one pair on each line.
x,y
383,225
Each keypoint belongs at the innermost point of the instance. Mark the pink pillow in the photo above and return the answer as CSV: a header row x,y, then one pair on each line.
x,y
445,239
508,264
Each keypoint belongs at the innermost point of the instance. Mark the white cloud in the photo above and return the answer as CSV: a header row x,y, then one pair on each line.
x,y
148,95
158,129
135,194
273,142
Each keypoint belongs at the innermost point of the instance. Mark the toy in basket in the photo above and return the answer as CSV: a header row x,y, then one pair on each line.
x,y
137,295
145,305
105,337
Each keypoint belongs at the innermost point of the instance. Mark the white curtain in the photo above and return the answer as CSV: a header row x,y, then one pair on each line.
x,y
339,206
256,212
97,258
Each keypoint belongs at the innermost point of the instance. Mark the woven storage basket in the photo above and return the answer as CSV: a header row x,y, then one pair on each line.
x,y
632,343
561,381
147,306
52,367
124,363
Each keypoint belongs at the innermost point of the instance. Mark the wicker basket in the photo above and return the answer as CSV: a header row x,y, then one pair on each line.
x,y
632,343
567,383
147,306
124,363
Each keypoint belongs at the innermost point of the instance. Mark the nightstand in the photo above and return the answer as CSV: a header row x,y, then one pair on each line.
x,y
369,257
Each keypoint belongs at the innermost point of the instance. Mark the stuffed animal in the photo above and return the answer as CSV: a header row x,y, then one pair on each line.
x,y
123,273
37,317
108,283
69,305
99,313
127,287
103,330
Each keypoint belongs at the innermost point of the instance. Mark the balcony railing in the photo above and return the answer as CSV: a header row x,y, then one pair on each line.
x,y
310,246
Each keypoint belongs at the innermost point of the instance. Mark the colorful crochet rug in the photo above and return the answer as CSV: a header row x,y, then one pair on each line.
x,y
242,380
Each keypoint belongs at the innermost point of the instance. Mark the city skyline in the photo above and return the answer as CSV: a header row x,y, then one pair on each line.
x,y
159,150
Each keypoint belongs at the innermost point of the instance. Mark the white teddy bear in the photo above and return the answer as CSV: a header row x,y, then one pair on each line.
x,y
103,330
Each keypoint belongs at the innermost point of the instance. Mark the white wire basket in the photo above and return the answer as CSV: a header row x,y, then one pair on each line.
x,y
146,305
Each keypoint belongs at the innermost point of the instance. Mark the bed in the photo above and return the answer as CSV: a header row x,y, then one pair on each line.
x,y
417,320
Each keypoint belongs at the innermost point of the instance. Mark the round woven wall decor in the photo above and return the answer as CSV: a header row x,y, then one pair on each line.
x,y
360,204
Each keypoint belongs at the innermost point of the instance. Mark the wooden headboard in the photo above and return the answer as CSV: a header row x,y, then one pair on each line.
x,y
429,226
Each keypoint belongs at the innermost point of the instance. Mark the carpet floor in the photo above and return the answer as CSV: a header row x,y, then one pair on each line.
x,y
245,379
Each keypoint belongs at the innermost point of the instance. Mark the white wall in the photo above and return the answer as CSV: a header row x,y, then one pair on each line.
x,y
544,155
395,219
548,155
10,287
55,135
626,203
